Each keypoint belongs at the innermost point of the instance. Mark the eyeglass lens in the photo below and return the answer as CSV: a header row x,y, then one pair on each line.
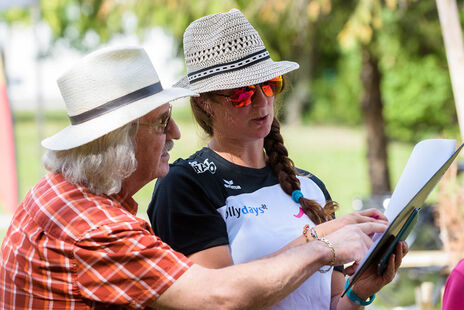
x,y
242,96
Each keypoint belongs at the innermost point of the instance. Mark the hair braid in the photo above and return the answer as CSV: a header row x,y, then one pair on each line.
x,y
284,169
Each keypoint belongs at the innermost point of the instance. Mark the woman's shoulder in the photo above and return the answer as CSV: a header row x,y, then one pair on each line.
x,y
196,168
309,175
197,163
315,179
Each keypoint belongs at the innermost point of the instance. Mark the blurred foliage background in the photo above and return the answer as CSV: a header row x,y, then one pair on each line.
x,y
376,63
326,37
377,67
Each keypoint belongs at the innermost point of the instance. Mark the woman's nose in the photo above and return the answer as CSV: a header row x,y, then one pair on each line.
x,y
259,98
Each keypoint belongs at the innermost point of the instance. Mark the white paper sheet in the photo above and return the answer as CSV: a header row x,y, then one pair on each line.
x,y
427,157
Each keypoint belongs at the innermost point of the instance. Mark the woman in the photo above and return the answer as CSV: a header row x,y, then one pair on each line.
x,y
241,198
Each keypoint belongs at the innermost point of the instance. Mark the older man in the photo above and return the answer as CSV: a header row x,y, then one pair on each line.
x,y
75,241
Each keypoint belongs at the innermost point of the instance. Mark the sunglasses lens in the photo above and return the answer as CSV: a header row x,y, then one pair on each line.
x,y
241,97
272,87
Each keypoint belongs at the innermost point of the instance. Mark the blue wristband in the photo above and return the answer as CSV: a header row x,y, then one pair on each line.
x,y
352,296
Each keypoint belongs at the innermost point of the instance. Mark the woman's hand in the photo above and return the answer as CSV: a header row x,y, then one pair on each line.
x,y
370,215
371,282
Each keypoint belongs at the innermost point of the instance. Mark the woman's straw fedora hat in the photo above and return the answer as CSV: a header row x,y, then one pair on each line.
x,y
106,90
224,51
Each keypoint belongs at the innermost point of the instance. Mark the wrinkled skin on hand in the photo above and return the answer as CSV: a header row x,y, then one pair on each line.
x,y
352,242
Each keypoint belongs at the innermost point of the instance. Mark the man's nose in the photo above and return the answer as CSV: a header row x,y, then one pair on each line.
x,y
173,130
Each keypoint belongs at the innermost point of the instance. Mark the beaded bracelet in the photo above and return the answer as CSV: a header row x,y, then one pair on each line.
x,y
313,233
305,232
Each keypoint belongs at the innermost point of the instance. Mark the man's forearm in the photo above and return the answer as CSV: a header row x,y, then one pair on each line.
x,y
255,285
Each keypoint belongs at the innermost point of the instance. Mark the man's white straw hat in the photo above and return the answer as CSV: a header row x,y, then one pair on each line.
x,y
224,51
106,90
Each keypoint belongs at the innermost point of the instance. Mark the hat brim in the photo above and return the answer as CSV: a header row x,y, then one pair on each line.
x,y
80,134
254,74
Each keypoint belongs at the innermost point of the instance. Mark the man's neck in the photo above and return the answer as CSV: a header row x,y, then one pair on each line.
x,y
130,186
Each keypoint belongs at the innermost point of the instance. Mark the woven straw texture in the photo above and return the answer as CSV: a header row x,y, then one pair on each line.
x,y
223,38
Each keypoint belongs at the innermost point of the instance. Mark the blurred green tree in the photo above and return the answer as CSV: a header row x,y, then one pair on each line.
x,y
362,30
402,68
372,61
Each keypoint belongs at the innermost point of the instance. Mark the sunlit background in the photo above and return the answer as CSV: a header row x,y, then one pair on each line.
x,y
373,81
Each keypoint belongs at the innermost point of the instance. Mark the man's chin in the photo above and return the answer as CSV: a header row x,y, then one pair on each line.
x,y
162,171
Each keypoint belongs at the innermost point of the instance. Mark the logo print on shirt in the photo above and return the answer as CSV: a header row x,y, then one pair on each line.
x,y
300,214
245,211
230,184
206,165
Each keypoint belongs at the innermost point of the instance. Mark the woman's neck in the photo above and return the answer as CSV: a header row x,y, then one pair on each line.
x,y
243,154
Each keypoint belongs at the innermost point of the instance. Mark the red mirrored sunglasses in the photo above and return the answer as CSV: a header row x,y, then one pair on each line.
x,y
242,96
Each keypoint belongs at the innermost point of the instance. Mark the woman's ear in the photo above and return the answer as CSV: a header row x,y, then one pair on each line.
x,y
203,103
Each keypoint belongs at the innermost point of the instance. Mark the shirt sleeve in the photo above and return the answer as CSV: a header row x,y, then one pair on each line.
x,y
124,264
183,215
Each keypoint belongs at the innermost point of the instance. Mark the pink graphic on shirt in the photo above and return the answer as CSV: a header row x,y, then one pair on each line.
x,y
300,214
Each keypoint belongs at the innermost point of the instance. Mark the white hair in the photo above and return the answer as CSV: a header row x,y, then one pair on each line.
x,y
100,165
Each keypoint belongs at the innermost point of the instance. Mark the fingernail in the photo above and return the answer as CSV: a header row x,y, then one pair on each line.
x,y
376,216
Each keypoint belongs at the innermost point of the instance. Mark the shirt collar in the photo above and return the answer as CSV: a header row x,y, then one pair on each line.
x,y
126,201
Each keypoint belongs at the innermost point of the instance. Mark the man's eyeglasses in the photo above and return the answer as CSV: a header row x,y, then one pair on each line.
x,y
242,96
162,126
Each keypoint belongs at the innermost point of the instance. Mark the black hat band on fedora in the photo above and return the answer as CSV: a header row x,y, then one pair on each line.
x,y
116,103
228,67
